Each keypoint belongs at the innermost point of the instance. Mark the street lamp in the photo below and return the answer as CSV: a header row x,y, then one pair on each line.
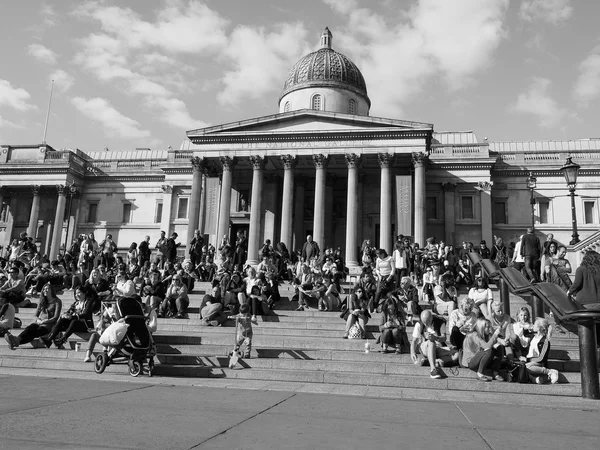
x,y
570,171
531,185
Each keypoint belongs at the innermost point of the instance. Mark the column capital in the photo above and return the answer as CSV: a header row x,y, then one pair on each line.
x,y
289,161
167,188
320,161
352,160
258,162
385,159
198,164
419,159
62,189
228,162
37,189
449,187
484,185
330,179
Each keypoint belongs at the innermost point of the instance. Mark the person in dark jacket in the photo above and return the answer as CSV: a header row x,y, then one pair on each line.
x,y
531,251
586,286
171,250
144,251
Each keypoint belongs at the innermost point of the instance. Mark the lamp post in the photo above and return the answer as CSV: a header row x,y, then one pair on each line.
x,y
570,171
531,185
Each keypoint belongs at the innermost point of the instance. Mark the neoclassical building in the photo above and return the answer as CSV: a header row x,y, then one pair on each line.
x,y
320,166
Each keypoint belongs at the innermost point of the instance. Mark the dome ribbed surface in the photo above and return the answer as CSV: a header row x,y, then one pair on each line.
x,y
325,67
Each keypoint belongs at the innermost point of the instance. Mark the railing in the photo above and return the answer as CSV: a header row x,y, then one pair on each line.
x,y
460,150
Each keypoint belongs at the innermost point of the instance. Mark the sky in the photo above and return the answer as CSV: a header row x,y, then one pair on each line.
x,y
140,73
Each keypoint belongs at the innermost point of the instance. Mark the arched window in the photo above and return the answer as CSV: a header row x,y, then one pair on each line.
x,y
287,107
352,106
316,102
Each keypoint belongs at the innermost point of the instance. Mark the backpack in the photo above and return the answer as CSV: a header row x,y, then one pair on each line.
x,y
501,258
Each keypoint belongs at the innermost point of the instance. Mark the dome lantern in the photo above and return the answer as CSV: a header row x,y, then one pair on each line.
x,y
326,38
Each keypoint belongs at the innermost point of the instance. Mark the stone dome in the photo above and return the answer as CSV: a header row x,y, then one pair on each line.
x,y
325,68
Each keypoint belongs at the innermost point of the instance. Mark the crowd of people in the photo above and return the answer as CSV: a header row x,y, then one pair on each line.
x,y
436,288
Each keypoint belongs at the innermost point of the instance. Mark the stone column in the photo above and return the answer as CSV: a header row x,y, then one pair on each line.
x,y
449,216
419,160
228,164
35,212
353,161
485,191
165,221
287,202
254,234
320,162
329,222
385,205
198,167
58,222
360,218
299,200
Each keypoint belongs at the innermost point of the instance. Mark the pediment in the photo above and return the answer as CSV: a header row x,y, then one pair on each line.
x,y
307,121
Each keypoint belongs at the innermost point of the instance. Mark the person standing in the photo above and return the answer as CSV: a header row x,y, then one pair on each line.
x,y
310,249
161,248
171,248
144,251
531,250
195,250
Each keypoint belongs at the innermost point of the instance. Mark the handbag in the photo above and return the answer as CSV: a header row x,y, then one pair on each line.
x,y
517,373
354,332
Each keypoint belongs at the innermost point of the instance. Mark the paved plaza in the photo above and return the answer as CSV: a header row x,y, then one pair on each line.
x,y
59,413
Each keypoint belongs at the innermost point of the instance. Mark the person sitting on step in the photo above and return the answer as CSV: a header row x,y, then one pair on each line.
x,y
536,360
427,342
46,316
461,322
480,350
176,299
392,327
357,312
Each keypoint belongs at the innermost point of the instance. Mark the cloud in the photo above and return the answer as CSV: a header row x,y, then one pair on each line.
x,y
16,98
537,101
42,53
401,52
260,60
587,86
7,123
553,12
49,16
128,53
192,28
63,81
113,122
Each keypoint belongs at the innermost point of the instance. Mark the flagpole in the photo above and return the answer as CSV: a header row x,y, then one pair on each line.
x,y
48,113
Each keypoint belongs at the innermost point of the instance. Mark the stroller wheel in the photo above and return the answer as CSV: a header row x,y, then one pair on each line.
x,y
135,368
101,362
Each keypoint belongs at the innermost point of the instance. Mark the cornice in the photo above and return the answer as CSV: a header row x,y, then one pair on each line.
x,y
541,172
130,178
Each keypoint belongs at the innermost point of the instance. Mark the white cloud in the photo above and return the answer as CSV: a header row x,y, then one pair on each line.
x,y
113,122
192,28
401,52
551,11
49,16
537,101
260,60
7,123
587,86
63,81
16,98
41,53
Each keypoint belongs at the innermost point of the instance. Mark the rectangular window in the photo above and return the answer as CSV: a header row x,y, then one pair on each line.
x,y
544,208
466,205
589,211
92,212
182,208
158,213
126,213
500,212
431,207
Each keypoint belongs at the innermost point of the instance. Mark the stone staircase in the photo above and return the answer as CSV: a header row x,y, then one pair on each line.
x,y
291,347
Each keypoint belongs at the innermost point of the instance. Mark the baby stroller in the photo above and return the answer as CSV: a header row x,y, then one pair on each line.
x,y
137,346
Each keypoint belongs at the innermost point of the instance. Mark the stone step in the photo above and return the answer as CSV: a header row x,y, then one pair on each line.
x,y
463,382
